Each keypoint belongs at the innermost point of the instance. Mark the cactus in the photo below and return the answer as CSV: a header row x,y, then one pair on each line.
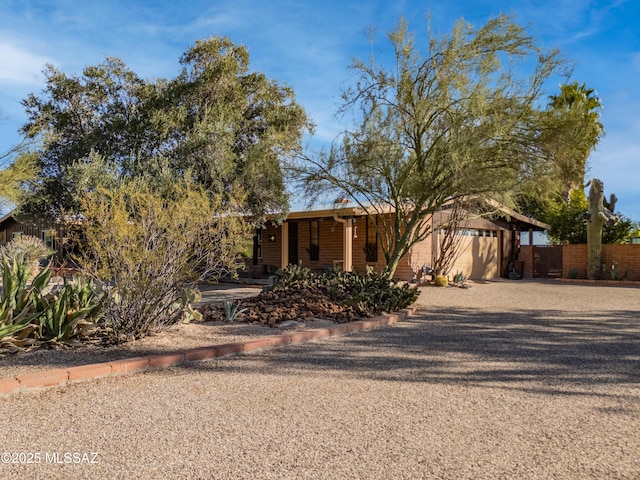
x,y
597,215
440,281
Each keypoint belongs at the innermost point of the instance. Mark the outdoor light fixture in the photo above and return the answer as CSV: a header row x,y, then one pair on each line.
x,y
272,238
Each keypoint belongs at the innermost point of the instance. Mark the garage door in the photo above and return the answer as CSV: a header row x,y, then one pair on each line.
x,y
479,254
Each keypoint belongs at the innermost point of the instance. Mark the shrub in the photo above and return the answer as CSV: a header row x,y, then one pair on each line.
x,y
440,281
149,248
369,293
573,273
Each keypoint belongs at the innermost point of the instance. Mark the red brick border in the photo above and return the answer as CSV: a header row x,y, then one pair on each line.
x,y
65,376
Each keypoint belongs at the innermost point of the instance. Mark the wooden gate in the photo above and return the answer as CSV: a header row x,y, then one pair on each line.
x,y
547,261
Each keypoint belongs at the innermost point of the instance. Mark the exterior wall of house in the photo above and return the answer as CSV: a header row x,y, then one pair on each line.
x,y
330,233
53,236
482,256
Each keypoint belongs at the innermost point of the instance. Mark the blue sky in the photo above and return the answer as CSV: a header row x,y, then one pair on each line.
x,y
309,46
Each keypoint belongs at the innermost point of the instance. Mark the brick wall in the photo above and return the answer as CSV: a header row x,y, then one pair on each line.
x,y
575,257
526,255
627,257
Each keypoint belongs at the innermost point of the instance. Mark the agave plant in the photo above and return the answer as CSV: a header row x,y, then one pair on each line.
x,y
68,313
17,304
232,310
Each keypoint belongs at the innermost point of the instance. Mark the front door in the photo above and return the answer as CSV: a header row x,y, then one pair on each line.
x,y
293,242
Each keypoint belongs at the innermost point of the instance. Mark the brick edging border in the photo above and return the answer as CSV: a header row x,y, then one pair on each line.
x,y
67,376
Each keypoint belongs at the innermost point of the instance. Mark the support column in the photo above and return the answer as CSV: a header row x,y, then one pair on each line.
x,y
533,254
347,246
284,245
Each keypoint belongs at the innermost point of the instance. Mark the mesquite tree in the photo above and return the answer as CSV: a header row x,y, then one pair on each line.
x,y
226,125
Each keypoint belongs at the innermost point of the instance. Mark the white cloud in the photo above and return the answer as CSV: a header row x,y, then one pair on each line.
x,y
19,66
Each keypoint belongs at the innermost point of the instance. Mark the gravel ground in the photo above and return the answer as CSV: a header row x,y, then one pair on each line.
x,y
506,380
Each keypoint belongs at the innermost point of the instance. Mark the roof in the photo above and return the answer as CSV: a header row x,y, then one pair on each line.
x,y
351,209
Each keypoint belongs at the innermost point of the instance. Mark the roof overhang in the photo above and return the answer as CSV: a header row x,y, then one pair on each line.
x,y
515,219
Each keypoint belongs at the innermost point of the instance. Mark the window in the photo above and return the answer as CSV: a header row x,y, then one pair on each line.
x,y
314,240
49,238
371,245
16,235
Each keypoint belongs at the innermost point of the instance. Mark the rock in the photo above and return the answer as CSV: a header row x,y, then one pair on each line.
x,y
288,324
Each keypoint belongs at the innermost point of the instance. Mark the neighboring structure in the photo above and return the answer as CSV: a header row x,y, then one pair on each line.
x,y
11,228
344,237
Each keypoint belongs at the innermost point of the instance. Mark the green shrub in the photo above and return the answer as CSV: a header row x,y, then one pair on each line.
x,y
369,293
573,273
440,281
69,313
149,246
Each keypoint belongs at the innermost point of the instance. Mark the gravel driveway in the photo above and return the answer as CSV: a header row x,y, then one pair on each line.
x,y
506,380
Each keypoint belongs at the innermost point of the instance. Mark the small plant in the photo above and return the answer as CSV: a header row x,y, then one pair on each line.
x,y
183,307
459,280
440,281
30,317
232,310
615,272
295,276
573,273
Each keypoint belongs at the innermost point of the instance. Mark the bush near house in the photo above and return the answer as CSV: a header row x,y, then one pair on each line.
x,y
336,295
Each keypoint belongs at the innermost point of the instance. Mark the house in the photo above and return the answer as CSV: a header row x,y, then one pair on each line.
x,y
344,236
51,235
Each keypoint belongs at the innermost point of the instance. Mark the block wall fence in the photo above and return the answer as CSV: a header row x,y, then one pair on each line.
x,y
574,258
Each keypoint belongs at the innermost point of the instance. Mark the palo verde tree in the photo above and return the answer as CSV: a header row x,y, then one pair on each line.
x,y
17,166
460,119
226,125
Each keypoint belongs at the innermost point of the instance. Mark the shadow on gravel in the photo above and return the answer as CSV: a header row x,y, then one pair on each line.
x,y
542,351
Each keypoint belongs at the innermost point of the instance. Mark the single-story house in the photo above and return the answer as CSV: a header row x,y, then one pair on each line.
x,y
345,236
51,235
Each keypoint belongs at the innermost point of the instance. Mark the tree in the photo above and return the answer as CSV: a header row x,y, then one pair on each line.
x,y
568,227
459,121
219,121
17,166
578,106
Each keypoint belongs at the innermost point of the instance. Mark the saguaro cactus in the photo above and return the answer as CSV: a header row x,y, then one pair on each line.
x,y
600,212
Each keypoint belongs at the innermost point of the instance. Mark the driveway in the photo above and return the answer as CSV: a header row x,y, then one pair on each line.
x,y
506,380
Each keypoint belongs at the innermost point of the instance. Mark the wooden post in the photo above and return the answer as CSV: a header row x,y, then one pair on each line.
x,y
284,246
347,246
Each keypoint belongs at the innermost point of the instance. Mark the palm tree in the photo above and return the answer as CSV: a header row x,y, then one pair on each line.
x,y
581,105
